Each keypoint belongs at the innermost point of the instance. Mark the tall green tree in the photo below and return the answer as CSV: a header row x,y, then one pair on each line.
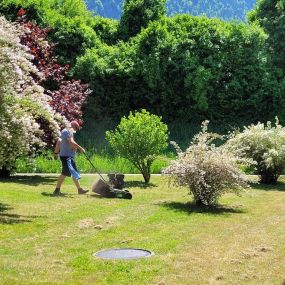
x,y
270,15
137,14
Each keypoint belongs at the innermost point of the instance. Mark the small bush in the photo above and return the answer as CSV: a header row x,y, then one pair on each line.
x,y
140,138
207,170
265,145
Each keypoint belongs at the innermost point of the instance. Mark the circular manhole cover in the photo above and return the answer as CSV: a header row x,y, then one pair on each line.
x,y
123,253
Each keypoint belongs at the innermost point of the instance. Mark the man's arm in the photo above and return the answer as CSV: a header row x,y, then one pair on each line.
x,y
57,148
75,145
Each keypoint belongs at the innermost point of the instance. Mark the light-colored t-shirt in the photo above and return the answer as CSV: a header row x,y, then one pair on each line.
x,y
65,149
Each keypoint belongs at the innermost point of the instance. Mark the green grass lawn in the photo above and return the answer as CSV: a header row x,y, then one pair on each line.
x,y
50,240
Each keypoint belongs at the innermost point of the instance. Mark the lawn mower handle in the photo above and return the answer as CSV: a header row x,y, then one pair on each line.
x,y
94,167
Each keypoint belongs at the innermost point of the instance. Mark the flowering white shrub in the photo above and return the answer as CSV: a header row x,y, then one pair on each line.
x,y
265,145
208,171
22,102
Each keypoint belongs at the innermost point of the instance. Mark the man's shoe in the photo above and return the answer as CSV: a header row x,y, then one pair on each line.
x,y
82,191
56,192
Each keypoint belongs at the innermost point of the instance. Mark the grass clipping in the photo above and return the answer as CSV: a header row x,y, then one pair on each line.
x,y
207,170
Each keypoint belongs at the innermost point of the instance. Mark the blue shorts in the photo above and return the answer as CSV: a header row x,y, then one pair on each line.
x,y
68,168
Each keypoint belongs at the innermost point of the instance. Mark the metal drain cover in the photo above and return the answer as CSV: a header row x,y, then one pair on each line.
x,y
123,253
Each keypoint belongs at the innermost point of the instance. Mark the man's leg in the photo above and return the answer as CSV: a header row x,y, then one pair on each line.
x,y
76,176
76,182
58,185
60,180
79,188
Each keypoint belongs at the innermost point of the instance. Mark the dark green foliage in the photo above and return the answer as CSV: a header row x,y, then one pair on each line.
x,y
137,14
72,37
270,15
186,68
106,29
224,9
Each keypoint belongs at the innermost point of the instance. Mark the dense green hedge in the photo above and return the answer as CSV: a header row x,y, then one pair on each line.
x,y
183,68
188,68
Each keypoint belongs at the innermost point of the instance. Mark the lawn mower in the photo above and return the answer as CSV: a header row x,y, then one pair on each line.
x,y
104,189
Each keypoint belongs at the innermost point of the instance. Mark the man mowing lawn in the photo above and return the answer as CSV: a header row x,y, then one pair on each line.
x,y
66,148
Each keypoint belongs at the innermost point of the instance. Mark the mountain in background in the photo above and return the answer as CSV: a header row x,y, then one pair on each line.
x,y
223,9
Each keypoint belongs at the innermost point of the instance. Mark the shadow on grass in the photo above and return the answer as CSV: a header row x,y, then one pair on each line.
x,y
190,208
279,186
10,219
97,196
61,195
138,184
30,180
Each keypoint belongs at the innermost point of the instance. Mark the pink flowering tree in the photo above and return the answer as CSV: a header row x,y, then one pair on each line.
x,y
67,94
23,103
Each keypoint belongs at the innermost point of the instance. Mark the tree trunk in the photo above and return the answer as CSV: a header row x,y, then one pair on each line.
x,y
146,176
268,178
5,173
199,203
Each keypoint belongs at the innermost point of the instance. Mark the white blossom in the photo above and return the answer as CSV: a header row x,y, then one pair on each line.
x,y
265,145
208,171
22,101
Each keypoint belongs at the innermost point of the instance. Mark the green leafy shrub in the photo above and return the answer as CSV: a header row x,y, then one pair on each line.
x,y
265,145
140,138
208,171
